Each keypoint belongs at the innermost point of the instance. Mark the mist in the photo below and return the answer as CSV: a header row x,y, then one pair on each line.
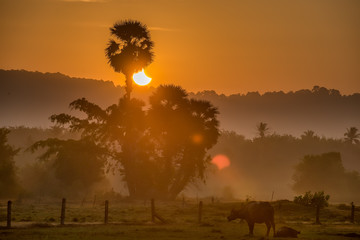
x,y
261,168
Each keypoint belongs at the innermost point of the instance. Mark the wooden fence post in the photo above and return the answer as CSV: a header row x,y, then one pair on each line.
x,y
106,212
352,216
152,210
62,217
154,215
9,214
200,211
94,201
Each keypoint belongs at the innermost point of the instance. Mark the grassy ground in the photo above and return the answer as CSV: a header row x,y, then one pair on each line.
x,y
132,220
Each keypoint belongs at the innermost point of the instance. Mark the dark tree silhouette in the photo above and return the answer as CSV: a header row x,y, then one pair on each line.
x,y
309,134
326,172
352,135
130,50
318,200
160,151
8,182
78,163
262,129
120,128
315,172
183,130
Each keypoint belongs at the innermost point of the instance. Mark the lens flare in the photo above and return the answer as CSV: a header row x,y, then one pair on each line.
x,y
221,161
197,138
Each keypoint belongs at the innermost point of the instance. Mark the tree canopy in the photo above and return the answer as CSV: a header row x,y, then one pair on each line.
x,y
352,135
78,164
8,181
318,200
159,150
262,129
325,172
130,49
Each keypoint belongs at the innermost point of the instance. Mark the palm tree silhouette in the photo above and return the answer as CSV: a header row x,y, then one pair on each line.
x,y
352,135
308,135
262,129
130,50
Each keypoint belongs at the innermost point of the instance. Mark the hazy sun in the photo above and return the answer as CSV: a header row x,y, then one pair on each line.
x,y
141,79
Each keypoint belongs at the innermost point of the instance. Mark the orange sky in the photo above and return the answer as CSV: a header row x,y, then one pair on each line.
x,y
229,46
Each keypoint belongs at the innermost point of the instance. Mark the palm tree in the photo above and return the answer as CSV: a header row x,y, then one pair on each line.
x,y
262,129
130,50
352,135
309,135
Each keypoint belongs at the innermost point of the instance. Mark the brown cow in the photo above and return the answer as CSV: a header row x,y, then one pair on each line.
x,y
255,212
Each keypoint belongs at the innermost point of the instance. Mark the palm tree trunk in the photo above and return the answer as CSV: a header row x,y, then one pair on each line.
x,y
128,82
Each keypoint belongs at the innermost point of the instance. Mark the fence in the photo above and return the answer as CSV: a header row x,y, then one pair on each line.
x,y
64,212
122,212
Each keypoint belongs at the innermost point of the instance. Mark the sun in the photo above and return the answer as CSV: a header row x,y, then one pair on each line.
x,y
141,79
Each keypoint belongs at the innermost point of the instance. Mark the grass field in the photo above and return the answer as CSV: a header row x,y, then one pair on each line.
x,y
132,220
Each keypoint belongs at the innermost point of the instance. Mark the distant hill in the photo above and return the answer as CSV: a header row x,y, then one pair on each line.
x,y
325,111
29,98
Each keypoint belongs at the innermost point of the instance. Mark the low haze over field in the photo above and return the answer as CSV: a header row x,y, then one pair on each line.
x,y
245,163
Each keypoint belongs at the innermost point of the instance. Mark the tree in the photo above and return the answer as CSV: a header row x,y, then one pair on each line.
x,y
130,50
160,150
315,172
8,181
326,172
262,129
78,164
182,130
318,200
352,136
309,135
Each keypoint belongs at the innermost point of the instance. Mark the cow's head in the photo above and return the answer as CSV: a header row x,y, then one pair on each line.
x,y
236,213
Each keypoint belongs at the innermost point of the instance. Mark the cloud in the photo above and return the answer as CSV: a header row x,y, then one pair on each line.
x,y
86,1
163,29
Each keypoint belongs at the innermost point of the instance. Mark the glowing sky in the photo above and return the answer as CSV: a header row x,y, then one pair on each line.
x,y
229,46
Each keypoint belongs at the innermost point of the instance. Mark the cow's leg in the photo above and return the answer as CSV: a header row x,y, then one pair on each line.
x,y
273,225
268,226
251,228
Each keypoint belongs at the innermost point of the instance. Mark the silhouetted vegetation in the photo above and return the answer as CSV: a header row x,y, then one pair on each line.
x,y
77,164
258,166
326,172
28,98
262,129
318,200
130,51
169,141
8,180
325,111
261,166
352,136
